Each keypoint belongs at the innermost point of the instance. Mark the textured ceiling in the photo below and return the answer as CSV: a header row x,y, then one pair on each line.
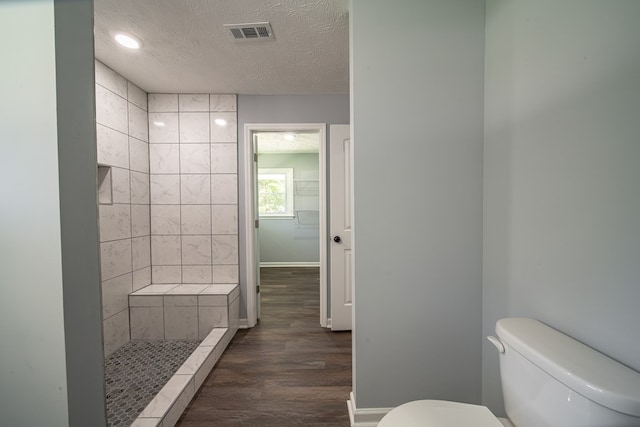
x,y
186,48
277,143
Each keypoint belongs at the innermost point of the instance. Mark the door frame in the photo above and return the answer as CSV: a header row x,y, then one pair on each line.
x,y
251,215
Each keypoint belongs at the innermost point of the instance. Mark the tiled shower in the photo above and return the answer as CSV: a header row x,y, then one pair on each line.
x,y
168,193
125,232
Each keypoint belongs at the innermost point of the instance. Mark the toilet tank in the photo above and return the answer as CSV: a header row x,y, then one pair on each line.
x,y
551,380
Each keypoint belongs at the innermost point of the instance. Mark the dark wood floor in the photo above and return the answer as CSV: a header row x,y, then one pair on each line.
x,y
287,371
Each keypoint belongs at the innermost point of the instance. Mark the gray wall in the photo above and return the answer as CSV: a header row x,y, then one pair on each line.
x,y
417,133
330,109
562,173
78,210
51,370
285,240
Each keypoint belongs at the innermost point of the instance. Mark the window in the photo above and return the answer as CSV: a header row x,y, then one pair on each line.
x,y
275,192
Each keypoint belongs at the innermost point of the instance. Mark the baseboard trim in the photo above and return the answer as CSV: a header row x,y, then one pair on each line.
x,y
364,417
289,264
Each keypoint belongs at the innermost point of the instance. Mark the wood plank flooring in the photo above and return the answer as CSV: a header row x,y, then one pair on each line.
x,y
287,371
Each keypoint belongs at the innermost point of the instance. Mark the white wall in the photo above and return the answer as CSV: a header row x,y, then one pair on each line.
x,y
562,174
417,99
51,371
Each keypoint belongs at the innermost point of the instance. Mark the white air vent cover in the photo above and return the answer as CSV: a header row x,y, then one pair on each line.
x,y
256,31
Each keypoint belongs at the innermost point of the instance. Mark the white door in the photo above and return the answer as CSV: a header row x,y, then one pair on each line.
x,y
340,239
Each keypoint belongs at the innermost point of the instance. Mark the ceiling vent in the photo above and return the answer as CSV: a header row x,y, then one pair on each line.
x,y
257,31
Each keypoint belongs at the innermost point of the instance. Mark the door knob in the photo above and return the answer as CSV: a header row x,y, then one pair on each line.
x,y
337,239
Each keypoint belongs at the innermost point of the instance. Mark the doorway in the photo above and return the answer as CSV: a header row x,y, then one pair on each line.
x,y
279,206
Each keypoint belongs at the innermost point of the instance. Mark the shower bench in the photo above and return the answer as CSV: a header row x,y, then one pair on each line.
x,y
207,312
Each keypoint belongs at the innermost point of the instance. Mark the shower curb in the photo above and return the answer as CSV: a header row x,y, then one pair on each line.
x,y
166,408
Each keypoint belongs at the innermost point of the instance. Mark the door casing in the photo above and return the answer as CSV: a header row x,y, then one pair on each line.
x,y
251,215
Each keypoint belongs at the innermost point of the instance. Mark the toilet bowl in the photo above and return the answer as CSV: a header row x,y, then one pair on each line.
x,y
548,379
437,413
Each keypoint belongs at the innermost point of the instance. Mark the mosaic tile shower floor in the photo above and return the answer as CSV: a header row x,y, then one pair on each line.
x,y
136,372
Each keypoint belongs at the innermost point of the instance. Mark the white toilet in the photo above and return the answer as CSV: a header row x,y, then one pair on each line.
x,y
548,380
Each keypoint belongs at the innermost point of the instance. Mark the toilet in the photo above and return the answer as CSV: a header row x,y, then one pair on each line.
x,y
548,379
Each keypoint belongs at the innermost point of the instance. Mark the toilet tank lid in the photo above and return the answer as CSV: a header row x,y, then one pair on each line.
x,y
579,367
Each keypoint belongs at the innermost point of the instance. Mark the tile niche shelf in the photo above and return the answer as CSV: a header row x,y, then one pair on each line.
x,y
105,187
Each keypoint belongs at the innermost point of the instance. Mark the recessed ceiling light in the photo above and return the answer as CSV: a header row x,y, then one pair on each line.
x,y
127,41
289,136
220,122
159,123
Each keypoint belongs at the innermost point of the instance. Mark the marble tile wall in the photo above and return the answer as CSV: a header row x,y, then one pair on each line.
x,y
193,188
125,235
172,216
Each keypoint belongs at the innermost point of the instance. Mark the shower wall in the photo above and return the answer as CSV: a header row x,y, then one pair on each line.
x,y
193,188
123,151
168,190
